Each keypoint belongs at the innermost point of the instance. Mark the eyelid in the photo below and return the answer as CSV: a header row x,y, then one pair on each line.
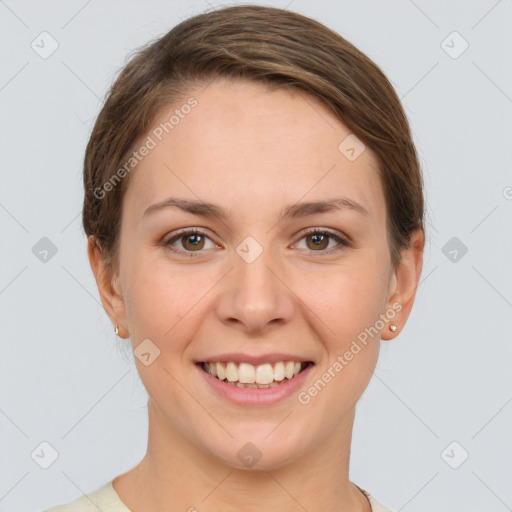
x,y
328,231
187,231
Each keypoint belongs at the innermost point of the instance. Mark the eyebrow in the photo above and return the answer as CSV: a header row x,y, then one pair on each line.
x,y
291,211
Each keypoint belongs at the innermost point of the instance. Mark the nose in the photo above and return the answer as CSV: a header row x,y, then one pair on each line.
x,y
255,295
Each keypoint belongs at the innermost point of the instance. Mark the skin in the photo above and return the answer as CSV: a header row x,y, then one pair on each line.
x,y
266,149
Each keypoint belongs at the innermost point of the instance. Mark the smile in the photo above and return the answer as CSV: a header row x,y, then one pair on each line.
x,y
245,375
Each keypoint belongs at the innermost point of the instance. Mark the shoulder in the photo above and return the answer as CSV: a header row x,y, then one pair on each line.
x,y
376,506
104,498
107,500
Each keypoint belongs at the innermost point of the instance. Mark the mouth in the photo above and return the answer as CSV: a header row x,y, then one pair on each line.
x,y
262,376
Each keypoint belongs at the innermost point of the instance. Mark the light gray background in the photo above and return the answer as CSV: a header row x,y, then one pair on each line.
x,y
66,379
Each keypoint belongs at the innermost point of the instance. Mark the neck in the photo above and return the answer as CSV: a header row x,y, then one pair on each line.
x,y
176,474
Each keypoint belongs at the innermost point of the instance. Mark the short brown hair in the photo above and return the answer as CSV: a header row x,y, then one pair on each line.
x,y
264,44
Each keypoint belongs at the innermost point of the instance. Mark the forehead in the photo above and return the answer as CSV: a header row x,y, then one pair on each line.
x,y
243,144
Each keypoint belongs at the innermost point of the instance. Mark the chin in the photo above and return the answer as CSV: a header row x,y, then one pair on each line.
x,y
256,450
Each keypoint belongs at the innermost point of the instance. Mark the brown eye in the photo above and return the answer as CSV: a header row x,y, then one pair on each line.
x,y
192,241
318,241
189,242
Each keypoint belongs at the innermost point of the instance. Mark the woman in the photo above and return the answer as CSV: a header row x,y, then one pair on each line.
x,y
254,212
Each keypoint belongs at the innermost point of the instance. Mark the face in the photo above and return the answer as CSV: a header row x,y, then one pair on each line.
x,y
255,283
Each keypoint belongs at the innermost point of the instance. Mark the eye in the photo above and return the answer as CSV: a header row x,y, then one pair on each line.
x,y
317,240
192,241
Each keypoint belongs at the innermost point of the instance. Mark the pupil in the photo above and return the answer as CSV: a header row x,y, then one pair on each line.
x,y
194,240
318,240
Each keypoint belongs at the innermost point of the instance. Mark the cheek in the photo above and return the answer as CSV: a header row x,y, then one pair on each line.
x,y
154,305
348,310
347,298
162,299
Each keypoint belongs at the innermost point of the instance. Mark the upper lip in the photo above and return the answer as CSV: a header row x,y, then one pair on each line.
x,y
274,357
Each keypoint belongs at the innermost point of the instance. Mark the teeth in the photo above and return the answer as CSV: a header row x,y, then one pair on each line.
x,y
288,369
279,371
221,372
231,372
264,374
249,376
246,373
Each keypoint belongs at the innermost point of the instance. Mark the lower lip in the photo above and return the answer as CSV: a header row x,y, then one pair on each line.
x,y
251,396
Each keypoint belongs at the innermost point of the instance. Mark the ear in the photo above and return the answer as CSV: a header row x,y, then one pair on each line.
x,y
108,287
403,284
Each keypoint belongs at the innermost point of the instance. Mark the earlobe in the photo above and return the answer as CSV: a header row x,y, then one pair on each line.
x,y
404,283
108,287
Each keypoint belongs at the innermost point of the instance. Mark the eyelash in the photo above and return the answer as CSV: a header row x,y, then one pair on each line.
x,y
315,231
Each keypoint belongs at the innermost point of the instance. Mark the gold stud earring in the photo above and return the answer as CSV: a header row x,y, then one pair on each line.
x,y
393,327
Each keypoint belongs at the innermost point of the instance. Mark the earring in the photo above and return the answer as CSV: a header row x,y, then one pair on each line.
x,y
116,330
393,327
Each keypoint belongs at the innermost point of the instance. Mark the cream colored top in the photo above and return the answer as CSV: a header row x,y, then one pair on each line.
x,y
106,499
